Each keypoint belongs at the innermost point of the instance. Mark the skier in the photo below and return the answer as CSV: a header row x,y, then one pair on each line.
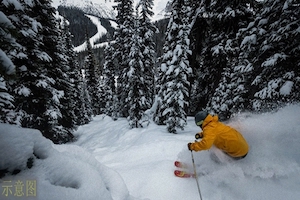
x,y
223,137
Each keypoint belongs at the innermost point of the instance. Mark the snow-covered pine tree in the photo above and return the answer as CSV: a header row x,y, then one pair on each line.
x,y
146,32
123,35
8,48
86,107
57,108
175,70
6,102
109,76
229,95
209,54
138,88
239,68
92,80
77,104
36,88
101,88
198,37
274,40
70,100
222,97
216,51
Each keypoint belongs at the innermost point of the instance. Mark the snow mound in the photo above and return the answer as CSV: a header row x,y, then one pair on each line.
x,y
74,174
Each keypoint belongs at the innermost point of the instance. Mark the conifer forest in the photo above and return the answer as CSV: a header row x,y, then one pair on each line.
x,y
223,56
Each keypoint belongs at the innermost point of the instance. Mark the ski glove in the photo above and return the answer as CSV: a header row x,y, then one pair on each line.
x,y
189,146
199,136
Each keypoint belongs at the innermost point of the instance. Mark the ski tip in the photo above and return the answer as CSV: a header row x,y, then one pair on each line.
x,y
177,164
182,174
180,164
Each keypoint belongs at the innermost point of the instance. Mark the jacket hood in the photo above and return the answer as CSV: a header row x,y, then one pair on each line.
x,y
209,119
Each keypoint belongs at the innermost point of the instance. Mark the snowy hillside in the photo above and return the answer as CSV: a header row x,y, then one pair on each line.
x,y
104,8
100,8
111,161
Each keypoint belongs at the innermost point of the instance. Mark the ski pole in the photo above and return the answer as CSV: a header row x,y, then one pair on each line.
x,y
196,175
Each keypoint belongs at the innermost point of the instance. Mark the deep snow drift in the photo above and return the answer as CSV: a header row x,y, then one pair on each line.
x,y
111,161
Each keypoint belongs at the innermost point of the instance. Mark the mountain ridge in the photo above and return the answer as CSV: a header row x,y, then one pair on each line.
x,y
81,26
104,8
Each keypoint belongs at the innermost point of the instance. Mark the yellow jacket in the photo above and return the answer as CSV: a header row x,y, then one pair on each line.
x,y
223,137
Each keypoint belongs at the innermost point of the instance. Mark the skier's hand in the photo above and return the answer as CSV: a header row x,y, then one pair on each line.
x,y
199,136
189,146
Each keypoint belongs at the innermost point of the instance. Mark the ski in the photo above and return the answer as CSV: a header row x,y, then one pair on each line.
x,y
183,174
183,170
181,164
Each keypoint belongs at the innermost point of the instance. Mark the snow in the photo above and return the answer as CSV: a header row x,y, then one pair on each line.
x,y
23,90
17,5
286,88
4,19
158,8
111,161
8,66
58,173
272,60
44,56
102,31
113,24
249,40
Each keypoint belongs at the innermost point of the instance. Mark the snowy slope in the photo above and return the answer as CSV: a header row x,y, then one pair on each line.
x,y
138,163
104,8
100,32
144,158
100,8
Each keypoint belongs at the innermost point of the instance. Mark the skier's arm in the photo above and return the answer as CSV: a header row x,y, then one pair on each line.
x,y
206,142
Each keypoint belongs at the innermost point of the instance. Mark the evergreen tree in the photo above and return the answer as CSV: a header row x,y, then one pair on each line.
x,y
101,89
137,98
216,51
86,107
75,99
70,103
274,38
92,79
146,32
9,46
6,102
39,85
109,75
235,96
175,70
58,118
123,35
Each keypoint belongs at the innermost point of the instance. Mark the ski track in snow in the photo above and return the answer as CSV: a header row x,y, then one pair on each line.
x,y
100,32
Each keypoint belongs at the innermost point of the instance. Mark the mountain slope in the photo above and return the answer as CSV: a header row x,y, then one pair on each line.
x,y
104,8
97,8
